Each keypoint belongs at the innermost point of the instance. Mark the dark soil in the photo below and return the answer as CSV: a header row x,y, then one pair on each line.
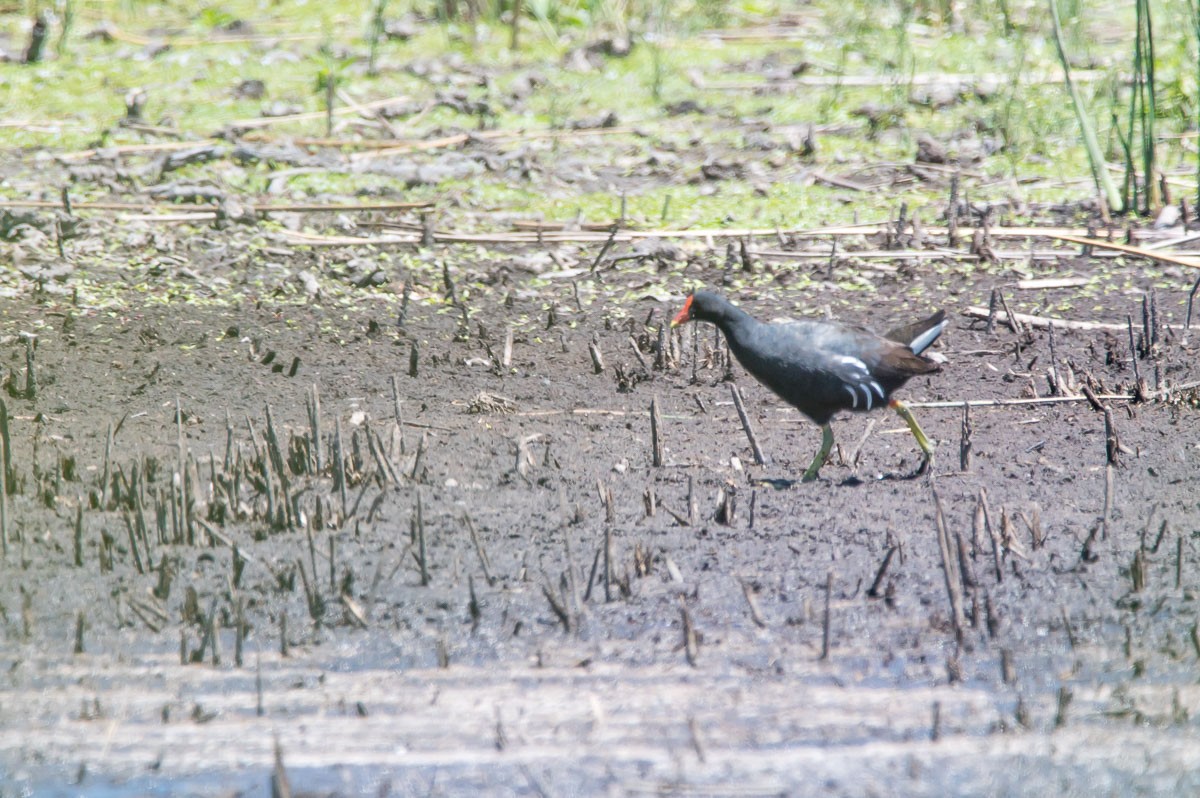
x,y
689,660
263,524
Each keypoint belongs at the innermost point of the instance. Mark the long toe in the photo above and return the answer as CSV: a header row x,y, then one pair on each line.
x,y
814,469
819,460
925,466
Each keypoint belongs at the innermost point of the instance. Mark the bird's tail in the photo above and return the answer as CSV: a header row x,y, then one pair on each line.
x,y
920,335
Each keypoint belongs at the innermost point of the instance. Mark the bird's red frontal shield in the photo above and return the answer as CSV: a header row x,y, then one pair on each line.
x,y
683,316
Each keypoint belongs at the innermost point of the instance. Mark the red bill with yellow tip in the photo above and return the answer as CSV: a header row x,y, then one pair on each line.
x,y
685,315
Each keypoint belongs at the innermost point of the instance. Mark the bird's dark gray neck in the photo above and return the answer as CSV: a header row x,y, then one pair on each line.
x,y
731,319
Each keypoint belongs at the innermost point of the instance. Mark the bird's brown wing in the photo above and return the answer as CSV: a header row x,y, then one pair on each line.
x,y
897,362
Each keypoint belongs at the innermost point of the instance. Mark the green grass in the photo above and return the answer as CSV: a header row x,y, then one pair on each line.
x,y
75,100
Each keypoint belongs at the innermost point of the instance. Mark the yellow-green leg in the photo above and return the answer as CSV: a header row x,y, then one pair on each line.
x,y
819,460
907,415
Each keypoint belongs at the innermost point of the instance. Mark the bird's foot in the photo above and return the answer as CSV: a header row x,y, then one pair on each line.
x,y
923,468
814,467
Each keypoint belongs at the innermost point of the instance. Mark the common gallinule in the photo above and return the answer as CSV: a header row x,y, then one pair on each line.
x,y
822,367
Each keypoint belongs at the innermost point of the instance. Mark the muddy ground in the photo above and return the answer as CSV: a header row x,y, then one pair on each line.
x,y
367,516
695,667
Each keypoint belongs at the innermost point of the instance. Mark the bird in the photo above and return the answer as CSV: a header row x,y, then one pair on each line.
x,y
823,367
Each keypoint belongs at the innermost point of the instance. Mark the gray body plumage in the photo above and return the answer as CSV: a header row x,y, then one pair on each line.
x,y
822,367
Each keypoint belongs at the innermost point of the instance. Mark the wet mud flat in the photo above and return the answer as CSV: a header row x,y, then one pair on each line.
x,y
273,540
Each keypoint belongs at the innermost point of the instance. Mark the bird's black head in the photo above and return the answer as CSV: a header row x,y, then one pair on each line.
x,y
702,306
